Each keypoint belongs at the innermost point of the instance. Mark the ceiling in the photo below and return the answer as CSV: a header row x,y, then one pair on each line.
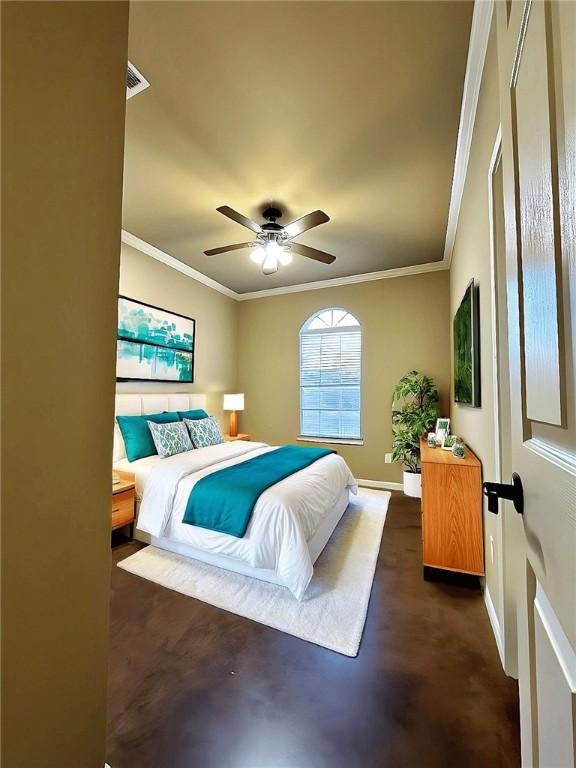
x,y
349,107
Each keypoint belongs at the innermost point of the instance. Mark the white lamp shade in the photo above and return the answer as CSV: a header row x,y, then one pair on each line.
x,y
234,402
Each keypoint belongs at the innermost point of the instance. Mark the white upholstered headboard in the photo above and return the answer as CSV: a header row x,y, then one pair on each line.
x,y
139,405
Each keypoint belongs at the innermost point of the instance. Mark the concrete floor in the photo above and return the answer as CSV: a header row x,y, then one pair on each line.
x,y
192,686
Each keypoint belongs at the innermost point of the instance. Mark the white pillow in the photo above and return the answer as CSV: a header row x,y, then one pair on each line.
x,y
119,452
204,432
171,438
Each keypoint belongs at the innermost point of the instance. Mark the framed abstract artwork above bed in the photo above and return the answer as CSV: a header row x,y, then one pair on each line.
x,y
153,343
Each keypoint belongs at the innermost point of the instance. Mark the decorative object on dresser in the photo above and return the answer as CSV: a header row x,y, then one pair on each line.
x,y
458,449
466,331
233,403
239,436
452,537
448,442
123,501
153,344
414,411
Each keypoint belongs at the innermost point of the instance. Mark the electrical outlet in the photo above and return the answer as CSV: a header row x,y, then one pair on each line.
x,y
387,458
492,549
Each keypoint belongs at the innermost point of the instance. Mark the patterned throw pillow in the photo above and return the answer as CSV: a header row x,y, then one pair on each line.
x,y
204,432
170,439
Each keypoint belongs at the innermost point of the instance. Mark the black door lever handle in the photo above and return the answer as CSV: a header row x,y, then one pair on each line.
x,y
513,492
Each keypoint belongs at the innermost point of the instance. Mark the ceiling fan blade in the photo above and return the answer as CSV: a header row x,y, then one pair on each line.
x,y
239,218
313,253
226,248
305,223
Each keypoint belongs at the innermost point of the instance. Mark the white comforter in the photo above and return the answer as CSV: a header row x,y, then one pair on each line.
x,y
285,517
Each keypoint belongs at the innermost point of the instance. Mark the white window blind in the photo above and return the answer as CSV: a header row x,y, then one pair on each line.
x,y
330,375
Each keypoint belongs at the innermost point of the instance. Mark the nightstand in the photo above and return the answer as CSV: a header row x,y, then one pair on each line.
x,y
239,436
123,503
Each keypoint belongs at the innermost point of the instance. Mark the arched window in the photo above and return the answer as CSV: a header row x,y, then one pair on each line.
x,y
330,373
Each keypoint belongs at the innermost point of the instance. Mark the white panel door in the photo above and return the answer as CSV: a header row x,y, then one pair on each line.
x,y
536,51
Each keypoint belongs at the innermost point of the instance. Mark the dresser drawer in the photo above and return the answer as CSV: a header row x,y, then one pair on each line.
x,y
122,508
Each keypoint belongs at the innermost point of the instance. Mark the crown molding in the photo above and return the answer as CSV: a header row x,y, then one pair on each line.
x,y
334,282
170,261
479,34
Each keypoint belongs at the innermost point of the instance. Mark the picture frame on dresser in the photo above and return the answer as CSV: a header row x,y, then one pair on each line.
x,y
442,429
154,344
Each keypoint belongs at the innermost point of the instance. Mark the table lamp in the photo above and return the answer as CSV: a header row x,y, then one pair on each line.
x,y
234,403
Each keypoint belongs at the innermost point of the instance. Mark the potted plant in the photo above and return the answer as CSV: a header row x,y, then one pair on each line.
x,y
414,412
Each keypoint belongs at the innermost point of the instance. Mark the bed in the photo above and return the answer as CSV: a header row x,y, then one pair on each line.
x,y
291,522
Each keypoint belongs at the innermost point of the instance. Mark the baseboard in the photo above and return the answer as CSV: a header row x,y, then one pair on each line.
x,y
491,610
383,484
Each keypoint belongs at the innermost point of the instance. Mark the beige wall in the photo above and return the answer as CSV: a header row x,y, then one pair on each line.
x,y
63,103
471,259
404,326
148,280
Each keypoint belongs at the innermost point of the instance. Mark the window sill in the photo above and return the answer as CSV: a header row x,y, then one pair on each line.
x,y
330,440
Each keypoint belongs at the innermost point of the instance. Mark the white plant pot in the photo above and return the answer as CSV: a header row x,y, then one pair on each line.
x,y
413,484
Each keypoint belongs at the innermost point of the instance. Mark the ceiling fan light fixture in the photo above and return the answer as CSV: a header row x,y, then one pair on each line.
x,y
258,255
270,264
285,257
274,242
269,255
273,248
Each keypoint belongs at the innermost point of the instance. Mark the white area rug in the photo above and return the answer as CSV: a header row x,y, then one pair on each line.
x,y
333,612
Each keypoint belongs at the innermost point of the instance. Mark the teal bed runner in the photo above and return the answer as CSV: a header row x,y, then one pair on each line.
x,y
224,500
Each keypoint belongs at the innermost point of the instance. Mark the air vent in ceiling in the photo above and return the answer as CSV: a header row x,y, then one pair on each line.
x,y
135,81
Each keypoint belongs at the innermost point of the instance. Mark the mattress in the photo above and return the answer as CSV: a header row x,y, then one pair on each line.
x,y
285,518
141,469
316,545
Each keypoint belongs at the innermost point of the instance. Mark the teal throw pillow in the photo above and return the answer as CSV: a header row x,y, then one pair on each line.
x,y
136,434
198,413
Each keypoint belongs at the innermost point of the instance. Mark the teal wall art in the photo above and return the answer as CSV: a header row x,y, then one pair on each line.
x,y
153,344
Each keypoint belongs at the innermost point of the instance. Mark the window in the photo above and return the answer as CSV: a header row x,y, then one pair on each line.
x,y
330,370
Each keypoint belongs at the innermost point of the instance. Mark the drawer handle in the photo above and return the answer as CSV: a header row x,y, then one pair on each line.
x,y
117,509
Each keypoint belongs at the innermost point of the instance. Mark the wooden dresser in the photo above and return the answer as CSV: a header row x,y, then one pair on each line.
x,y
452,529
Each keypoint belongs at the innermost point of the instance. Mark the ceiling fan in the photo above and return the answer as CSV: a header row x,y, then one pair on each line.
x,y
274,243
